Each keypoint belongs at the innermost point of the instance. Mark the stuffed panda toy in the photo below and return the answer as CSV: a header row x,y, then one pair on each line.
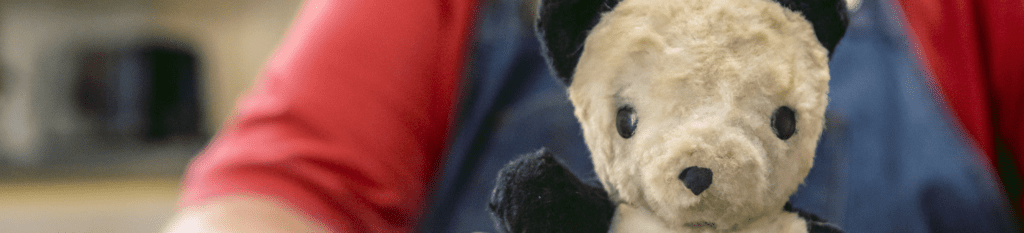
x,y
700,116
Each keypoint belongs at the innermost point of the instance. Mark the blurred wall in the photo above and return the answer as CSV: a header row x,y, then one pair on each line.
x,y
40,39
235,38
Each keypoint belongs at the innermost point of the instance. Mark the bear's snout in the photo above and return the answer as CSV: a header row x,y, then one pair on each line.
x,y
697,179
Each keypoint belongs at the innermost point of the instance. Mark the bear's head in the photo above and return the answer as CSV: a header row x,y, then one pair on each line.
x,y
704,112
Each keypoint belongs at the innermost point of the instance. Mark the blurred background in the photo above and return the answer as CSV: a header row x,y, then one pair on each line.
x,y
103,103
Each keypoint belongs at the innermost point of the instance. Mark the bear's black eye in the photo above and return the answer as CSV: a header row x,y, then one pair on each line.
x,y
784,122
625,121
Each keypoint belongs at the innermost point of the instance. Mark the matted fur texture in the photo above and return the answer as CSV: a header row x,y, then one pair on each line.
x,y
704,77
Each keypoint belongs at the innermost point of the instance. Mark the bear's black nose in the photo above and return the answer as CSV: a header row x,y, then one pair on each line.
x,y
697,179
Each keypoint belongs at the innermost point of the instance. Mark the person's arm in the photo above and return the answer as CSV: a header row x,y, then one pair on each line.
x,y
345,129
242,214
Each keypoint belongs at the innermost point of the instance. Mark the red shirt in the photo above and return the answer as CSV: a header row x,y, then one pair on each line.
x,y
975,52
349,120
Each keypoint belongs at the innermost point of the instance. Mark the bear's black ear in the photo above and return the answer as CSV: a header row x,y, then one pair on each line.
x,y
827,16
562,27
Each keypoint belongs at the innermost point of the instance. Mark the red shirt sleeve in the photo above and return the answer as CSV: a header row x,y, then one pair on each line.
x,y
349,119
975,52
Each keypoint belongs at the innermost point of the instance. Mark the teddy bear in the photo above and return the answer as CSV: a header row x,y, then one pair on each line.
x,y
700,116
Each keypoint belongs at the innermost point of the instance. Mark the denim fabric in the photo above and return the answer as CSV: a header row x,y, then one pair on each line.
x,y
890,160
511,105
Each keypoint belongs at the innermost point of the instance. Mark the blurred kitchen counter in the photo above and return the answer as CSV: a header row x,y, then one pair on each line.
x,y
87,204
95,184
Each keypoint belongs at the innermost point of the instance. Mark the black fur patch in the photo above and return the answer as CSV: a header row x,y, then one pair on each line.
x,y
827,16
536,193
563,26
815,224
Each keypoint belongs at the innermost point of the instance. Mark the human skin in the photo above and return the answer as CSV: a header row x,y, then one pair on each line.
x,y
242,213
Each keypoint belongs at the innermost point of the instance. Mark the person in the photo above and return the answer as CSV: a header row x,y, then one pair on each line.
x,y
343,133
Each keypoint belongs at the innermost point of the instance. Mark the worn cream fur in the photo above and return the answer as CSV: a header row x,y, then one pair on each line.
x,y
704,77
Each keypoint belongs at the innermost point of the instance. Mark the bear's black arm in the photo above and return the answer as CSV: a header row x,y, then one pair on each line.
x,y
815,224
536,193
